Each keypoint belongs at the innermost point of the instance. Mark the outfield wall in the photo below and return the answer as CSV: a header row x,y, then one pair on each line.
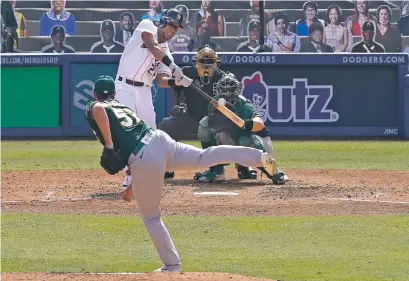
x,y
298,95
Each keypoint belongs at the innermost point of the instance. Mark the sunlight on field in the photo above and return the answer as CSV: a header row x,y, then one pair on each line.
x,y
375,155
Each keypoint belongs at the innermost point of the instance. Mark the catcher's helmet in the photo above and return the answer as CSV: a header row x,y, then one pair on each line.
x,y
206,63
229,87
173,16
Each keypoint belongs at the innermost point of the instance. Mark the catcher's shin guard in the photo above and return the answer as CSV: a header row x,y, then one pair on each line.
x,y
246,173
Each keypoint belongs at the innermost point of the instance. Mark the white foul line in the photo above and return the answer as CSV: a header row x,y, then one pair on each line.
x,y
50,200
370,201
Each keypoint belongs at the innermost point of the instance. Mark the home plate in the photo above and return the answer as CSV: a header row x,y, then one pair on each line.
x,y
217,193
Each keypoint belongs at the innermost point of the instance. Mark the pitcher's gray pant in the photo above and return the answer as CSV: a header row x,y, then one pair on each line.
x,y
163,153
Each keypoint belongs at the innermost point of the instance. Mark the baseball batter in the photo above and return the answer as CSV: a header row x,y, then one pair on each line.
x,y
149,153
147,58
190,107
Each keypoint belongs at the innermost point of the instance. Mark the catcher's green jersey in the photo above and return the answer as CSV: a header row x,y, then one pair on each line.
x,y
244,108
127,130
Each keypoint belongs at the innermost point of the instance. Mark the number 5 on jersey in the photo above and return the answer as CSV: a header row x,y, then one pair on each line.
x,y
127,117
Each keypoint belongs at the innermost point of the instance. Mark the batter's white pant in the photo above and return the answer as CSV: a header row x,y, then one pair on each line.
x,y
139,99
163,153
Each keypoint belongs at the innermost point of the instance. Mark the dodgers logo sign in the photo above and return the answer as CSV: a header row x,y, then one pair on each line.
x,y
300,102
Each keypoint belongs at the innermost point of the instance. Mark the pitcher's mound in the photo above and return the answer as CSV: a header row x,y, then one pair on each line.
x,y
186,276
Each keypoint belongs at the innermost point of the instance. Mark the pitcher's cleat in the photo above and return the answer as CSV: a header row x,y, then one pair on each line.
x,y
127,182
269,163
209,176
167,270
246,173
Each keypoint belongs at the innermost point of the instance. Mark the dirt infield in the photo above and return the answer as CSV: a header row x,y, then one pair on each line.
x,y
309,192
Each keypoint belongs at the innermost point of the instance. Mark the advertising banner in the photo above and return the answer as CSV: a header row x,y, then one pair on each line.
x,y
298,95
30,97
82,80
299,59
325,97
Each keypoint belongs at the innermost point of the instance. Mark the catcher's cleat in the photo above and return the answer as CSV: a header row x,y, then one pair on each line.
x,y
269,163
169,175
209,176
246,173
279,177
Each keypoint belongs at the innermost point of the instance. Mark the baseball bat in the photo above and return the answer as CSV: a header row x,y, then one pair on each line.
x,y
220,105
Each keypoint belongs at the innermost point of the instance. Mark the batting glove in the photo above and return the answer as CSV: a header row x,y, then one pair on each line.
x,y
184,81
177,72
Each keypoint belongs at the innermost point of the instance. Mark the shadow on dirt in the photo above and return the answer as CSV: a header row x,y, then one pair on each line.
x,y
228,184
106,196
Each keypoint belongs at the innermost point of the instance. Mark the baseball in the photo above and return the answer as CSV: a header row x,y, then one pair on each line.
x,y
221,102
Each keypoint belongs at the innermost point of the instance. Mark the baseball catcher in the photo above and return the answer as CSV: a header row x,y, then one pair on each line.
x,y
216,129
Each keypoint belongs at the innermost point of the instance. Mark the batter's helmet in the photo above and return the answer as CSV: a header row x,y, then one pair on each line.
x,y
173,16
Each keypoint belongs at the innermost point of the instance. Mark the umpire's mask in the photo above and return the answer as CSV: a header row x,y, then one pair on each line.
x,y
206,63
229,87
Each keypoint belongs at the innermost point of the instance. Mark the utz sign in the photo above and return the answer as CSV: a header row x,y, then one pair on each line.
x,y
299,102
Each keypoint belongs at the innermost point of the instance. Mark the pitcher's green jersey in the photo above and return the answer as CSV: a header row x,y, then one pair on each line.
x,y
127,130
244,108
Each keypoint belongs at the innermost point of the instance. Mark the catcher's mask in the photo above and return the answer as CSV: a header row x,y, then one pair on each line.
x,y
206,63
229,87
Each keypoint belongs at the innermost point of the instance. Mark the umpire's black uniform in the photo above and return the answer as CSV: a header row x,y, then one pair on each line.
x,y
184,127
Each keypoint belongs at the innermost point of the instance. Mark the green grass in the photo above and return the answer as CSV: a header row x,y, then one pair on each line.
x,y
287,248
374,155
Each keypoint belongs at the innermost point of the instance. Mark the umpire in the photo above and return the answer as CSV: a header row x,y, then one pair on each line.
x,y
189,108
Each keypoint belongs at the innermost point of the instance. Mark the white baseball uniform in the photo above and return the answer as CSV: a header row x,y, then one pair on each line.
x,y
138,64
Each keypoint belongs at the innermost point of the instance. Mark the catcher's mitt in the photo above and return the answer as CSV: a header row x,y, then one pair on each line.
x,y
111,161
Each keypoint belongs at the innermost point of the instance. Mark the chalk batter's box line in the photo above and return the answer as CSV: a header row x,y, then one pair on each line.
x,y
90,198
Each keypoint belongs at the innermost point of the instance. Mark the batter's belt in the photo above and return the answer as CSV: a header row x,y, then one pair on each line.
x,y
132,82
